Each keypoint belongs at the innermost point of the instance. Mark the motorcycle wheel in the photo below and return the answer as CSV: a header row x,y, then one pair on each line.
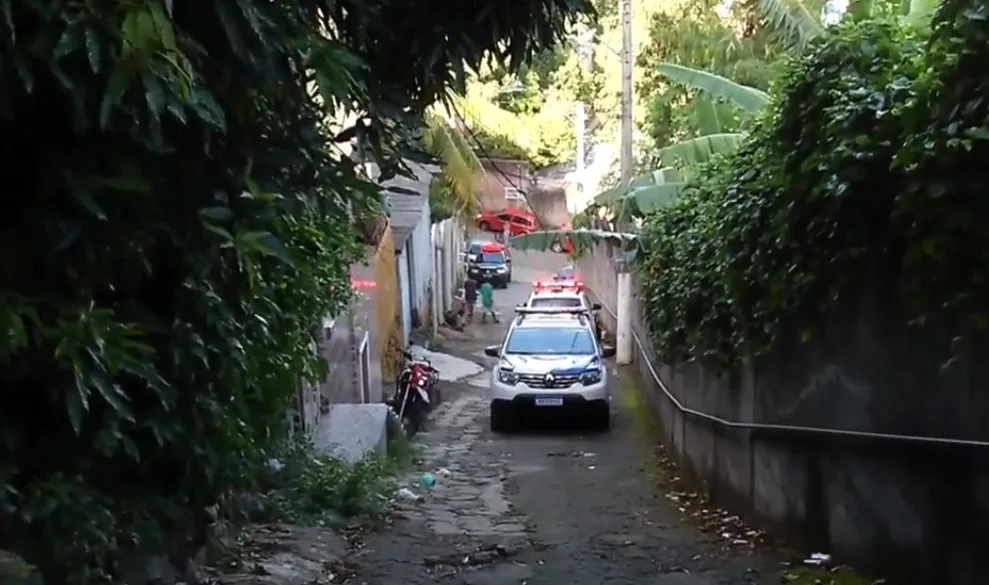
x,y
412,419
409,416
435,397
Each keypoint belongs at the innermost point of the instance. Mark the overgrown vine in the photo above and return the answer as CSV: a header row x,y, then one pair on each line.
x,y
863,176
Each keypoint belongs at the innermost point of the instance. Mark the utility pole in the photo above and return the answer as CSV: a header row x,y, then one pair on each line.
x,y
579,122
623,327
585,51
626,128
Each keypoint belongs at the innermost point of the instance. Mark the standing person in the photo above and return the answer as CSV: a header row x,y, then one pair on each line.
x,y
487,302
470,297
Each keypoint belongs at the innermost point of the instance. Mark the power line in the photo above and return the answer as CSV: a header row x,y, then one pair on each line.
x,y
485,154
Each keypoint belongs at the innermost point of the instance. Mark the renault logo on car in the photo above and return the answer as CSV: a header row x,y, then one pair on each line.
x,y
549,378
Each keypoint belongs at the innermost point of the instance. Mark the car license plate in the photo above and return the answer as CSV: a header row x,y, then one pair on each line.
x,y
549,402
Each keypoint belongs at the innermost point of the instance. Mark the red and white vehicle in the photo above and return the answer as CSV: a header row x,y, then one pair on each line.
x,y
416,392
518,221
565,295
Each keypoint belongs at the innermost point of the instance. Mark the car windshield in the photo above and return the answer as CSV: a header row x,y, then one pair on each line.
x,y
474,249
492,258
550,302
564,341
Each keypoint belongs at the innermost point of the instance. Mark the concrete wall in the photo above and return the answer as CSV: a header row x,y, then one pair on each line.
x,y
448,244
550,206
343,333
500,175
387,307
405,296
305,413
919,514
421,244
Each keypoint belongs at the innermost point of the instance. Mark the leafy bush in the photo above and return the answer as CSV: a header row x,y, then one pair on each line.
x,y
442,202
942,210
160,315
495,144
866,163
313,488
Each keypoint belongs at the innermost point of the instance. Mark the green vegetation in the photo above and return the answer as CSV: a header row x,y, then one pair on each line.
x,y
453,192
864,161
695,37
442,204
315,489
866,164
185,211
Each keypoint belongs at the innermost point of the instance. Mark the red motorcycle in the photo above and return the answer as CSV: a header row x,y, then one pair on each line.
x,y
416,392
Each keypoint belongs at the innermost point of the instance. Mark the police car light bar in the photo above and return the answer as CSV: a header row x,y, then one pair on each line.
x,y
551,310
558,284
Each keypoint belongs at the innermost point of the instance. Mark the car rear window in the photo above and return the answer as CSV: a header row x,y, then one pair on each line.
x,y
555,302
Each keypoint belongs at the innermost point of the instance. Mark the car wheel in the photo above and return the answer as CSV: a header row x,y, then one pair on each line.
x,y
500,417
600,416
484,226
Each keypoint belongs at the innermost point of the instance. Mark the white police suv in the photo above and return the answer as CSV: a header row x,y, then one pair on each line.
x,y
550,360
563,295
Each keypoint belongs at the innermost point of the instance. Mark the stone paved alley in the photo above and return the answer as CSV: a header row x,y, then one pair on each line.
x,y
543,506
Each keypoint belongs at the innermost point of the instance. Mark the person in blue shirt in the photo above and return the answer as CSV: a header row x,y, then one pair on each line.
x,y
487,302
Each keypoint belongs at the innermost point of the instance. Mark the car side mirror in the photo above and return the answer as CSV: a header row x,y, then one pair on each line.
x,y
596,307
492,350
607,351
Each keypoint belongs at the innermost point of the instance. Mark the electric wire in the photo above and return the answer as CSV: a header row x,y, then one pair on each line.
x,y
485,155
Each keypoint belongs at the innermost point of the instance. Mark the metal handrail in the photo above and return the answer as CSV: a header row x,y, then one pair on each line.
x,y
783,428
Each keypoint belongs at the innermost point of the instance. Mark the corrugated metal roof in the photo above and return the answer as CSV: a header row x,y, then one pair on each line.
x,y
405,209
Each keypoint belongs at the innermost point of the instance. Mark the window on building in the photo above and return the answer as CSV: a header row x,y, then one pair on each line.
x,y
514,195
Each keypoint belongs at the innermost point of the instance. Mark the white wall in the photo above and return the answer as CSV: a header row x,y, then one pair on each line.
x,y
421,245
448,240
405,305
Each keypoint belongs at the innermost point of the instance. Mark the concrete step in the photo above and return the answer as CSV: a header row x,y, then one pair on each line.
x,y
353,431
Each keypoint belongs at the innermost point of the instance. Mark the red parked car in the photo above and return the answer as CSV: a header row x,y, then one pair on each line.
x,y
518,221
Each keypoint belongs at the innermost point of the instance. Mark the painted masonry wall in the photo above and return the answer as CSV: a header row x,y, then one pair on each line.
x,y
405,304
448,243
415,269
422,262
911,514
498,176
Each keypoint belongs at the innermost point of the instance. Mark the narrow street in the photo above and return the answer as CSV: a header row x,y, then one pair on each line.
x,y
546,506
